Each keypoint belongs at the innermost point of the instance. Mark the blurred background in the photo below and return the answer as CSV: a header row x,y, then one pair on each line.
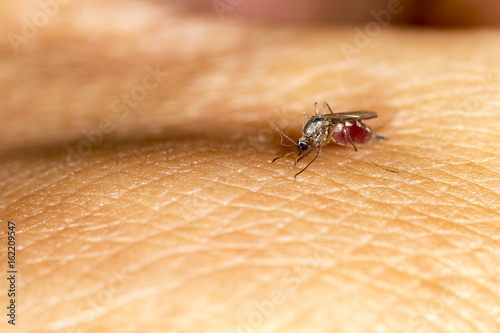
x,y
446,13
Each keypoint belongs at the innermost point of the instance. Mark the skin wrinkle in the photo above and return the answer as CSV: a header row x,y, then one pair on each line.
x,y
206,239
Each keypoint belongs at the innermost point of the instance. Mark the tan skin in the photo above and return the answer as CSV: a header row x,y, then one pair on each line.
x,y
177,221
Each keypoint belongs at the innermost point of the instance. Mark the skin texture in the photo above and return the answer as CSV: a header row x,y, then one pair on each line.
x,y
174,219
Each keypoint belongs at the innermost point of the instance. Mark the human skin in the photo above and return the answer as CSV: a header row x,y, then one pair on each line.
x,y
176,221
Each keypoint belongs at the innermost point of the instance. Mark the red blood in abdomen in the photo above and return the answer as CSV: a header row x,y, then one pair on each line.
x,y
360,133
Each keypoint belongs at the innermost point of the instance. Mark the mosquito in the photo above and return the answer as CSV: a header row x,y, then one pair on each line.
x,y
343,128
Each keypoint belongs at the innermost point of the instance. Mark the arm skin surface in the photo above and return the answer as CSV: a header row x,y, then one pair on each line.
x,y
147,202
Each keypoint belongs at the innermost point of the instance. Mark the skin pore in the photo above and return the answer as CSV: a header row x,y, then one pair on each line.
x,y
137,154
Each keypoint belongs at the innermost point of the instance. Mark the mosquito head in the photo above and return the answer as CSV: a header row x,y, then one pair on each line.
x,y
302,145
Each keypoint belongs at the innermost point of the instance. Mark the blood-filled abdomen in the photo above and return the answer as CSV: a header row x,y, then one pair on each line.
x,y
360,133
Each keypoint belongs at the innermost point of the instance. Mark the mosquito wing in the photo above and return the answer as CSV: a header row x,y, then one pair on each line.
x,y
351,115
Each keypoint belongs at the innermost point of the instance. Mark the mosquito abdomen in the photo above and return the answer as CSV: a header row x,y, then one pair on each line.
x,y
360,133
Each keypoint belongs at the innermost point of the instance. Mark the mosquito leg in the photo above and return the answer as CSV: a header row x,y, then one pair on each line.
x,y
315,157
299,159
304,119
356,150
350,139
328,108
277,158
316,107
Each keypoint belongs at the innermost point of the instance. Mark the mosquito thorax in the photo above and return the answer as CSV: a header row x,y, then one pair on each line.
x,y
314,127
